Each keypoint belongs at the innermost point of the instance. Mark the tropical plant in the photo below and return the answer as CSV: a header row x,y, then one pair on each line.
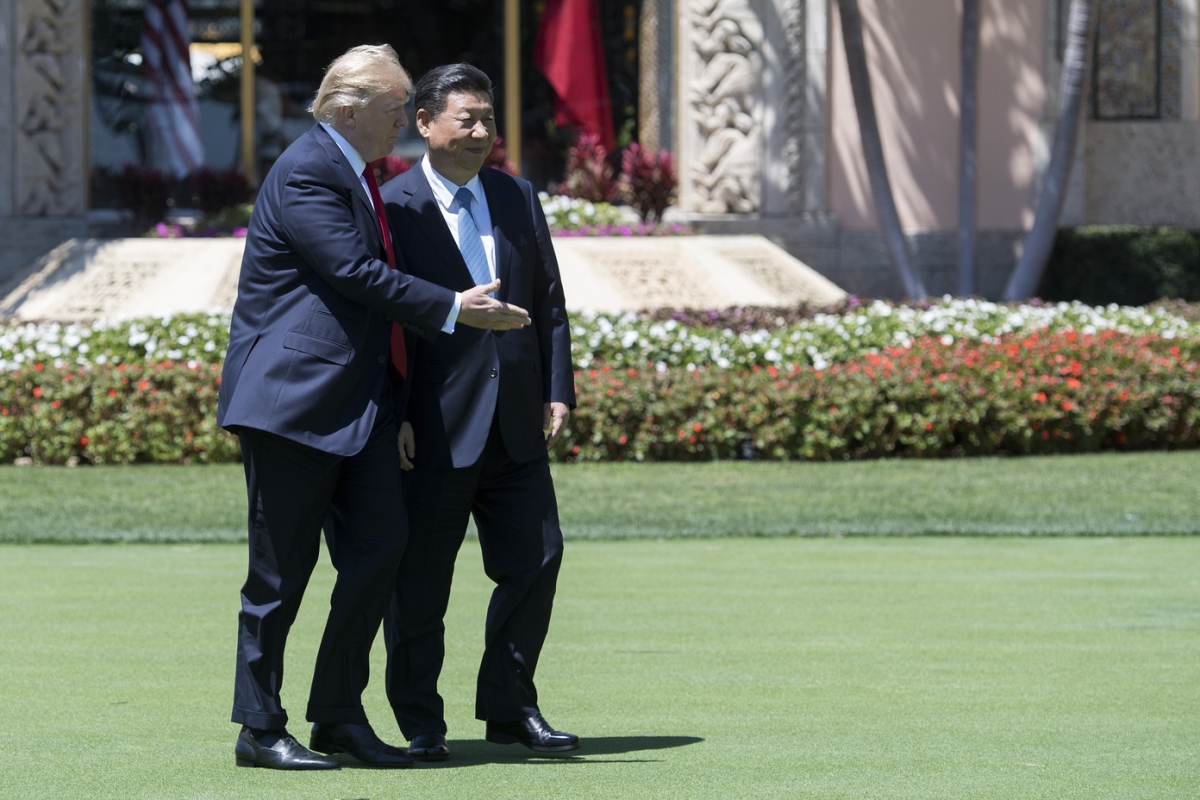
x,y
217,189
589,173
1080,33
968,96
872,144
647,180
143,190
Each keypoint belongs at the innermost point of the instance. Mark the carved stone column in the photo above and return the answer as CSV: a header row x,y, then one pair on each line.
x,y
751,122
42,127
721,107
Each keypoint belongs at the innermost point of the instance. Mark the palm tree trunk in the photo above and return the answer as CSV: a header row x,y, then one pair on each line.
x,y
968,95
868,126
1080,34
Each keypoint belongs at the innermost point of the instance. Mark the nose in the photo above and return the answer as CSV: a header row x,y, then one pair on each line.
x,y
402,118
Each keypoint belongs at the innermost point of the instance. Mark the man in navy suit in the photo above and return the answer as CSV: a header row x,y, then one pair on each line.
x,y
306,387
484,406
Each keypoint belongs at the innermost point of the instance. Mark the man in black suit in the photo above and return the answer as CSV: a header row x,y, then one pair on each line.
x,y
481,404
306,388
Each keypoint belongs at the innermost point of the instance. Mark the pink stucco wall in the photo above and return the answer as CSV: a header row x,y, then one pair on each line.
x,y
913,51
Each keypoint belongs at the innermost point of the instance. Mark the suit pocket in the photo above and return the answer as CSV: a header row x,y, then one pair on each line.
x,y
323,349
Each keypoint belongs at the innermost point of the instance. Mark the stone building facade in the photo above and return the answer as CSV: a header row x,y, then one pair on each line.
x,y
753,98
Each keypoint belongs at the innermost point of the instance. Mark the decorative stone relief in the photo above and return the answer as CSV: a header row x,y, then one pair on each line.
x,y
723,91
49,105
1137,74
654,279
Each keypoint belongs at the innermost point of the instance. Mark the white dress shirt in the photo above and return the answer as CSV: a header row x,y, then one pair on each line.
x,y
444,191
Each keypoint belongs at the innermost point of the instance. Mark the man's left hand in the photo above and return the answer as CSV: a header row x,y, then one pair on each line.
x,y
554,420
407,444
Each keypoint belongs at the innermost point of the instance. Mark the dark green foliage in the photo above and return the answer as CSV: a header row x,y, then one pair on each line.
x,y
217,189
145,191
1126,265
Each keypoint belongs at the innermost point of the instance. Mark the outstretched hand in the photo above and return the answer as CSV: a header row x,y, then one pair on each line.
x,y
481,311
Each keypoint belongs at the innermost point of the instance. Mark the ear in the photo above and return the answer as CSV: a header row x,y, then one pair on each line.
x,y
424,122
346,116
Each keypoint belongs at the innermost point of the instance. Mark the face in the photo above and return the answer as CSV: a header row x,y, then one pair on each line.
x,y
374,129
460,137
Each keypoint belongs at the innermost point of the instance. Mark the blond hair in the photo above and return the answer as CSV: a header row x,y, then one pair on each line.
x,y
357,77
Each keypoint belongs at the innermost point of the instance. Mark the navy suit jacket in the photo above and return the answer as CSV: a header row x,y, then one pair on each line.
x,y
308,344
461,382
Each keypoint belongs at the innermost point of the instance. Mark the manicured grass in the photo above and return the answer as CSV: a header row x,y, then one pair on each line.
x,y
942,667
1142,493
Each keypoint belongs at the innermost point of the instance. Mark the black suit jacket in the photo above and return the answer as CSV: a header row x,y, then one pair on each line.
x,y
308,344
461,382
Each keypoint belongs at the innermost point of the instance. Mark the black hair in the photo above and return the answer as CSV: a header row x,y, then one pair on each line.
x,y
433,91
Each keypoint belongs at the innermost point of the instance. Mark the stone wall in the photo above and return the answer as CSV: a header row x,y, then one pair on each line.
x,y
1143,173
42,128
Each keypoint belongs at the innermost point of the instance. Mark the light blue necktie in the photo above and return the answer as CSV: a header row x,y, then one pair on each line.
x,y
469,242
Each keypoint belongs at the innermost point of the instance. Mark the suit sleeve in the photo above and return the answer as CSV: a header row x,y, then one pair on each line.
x,y
549,313
317,216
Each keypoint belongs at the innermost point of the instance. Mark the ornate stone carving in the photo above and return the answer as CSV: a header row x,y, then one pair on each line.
x,y
724,101
49,108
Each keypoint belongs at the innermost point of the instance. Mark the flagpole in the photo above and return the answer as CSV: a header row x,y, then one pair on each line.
x,y
249,160
512,81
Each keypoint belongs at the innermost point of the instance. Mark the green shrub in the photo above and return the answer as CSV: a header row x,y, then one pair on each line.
x,y
1127,265
1040,392
163,413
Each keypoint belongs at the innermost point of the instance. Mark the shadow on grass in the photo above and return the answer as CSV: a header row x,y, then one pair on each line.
x,y
475,752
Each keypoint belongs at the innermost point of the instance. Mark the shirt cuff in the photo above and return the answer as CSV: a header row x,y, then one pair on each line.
x,y
452,317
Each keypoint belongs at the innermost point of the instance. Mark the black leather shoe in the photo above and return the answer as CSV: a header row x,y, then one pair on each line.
x,y
533,732
277,750
358,740
428,747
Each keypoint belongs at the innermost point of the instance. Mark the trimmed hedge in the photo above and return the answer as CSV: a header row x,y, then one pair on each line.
x,y
162,413
1042,392
1127,265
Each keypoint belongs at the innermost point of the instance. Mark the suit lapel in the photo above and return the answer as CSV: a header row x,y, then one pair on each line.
x,y
353,183
427,215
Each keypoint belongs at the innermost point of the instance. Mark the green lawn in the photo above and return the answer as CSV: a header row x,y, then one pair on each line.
x,y
1145,493
931,667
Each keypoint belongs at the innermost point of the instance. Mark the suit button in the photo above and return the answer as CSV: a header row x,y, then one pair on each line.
x,y
382,359
493,374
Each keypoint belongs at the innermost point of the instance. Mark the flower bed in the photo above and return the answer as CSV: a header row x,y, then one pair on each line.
x,y
1042,393
730,339
956,378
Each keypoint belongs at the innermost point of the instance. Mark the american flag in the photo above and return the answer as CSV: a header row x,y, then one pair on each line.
x,y
172,114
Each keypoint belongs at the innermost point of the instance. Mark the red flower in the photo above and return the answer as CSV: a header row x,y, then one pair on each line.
x,y
83,440
1067,405
37,390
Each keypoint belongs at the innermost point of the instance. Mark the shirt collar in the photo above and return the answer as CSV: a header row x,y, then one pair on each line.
x,y
444,189
357,162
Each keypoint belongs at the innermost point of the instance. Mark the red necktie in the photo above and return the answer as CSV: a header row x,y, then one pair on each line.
x,y
399,354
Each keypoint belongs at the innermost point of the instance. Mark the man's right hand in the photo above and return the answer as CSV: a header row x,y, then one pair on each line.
x,y
480,311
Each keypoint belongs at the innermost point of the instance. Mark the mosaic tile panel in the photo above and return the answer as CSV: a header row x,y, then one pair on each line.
x,y
1137,59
